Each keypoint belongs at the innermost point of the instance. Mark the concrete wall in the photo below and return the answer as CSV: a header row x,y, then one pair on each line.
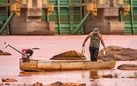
x,y
106,24
18,25
97,21
29,22
106,20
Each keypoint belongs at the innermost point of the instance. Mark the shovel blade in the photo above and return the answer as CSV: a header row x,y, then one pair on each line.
x,y
6,44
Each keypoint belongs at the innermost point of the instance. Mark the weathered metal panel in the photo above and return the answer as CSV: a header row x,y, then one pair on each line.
x,y
131,18
66,19
3,15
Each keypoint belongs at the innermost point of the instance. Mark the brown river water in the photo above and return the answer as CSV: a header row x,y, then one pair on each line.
x,y
52,45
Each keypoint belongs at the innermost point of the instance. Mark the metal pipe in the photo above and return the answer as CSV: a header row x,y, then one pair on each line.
x,y
132,18
7,14
70,17
121,17
59,22
81,14
79,5
6,23
81,23
5,5
62,6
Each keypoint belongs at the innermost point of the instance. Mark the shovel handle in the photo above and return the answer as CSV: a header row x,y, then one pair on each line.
x,y
12,47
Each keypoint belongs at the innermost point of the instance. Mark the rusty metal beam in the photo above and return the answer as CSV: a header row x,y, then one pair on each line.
x,y
81,23
6,23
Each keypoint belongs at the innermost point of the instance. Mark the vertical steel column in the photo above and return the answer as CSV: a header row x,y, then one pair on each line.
x,y
59,22
6,23
70,16
7,12
81,13
132,17
44,2
121,17
47,18
81,23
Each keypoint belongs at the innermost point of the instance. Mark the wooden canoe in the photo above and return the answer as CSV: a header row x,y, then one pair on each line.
x,y
39,65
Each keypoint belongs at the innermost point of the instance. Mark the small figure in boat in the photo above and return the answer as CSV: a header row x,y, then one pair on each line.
x,y
26,54
95,38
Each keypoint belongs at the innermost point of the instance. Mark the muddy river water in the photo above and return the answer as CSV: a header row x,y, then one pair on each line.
x,y
52,45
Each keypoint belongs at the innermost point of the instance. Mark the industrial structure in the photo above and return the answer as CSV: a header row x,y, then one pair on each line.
x,y
46,17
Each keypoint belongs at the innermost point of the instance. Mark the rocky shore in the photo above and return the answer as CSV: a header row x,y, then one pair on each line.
x,y
118,54
127,67
4,53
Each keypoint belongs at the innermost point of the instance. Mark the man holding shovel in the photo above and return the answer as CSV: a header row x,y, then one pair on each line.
x,y
95,38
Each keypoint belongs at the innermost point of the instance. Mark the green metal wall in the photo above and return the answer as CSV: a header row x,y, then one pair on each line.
x,y
131,18
3,15
66,18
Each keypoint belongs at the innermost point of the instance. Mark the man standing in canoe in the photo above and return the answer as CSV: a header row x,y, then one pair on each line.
x,y
95,38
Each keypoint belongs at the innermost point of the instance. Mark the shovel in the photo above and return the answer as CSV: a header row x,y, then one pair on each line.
x,y
6,45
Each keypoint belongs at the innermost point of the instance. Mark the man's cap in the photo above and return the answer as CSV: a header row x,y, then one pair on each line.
x,y
96,30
